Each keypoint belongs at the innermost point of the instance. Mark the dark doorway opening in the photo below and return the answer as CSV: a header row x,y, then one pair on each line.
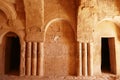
x,y
105,55
12,55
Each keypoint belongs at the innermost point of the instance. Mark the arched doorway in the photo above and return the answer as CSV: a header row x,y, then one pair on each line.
x,y
11,54
60,49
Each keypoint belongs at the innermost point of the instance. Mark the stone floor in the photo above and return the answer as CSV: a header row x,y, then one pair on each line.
x,y
100,77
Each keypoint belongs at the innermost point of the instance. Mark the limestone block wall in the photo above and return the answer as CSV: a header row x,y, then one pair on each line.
x,y
60,37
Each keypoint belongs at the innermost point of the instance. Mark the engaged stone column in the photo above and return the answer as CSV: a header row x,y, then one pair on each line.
x,y
34,59
90,59
22,59
28,59
80,59
40,59
84,60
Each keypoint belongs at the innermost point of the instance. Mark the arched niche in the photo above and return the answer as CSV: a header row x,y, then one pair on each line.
x,y
10,54
106,48
60,49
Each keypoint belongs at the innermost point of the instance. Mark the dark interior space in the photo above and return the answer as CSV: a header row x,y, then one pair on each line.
x,y
12,55
105,67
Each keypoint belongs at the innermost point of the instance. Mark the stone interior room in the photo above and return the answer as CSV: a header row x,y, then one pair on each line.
x,y
59,39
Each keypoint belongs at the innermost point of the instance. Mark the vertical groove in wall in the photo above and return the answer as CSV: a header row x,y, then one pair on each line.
x,y
34,58
84,59
40,59
89,67
28,58
90,60
22,60
80,59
